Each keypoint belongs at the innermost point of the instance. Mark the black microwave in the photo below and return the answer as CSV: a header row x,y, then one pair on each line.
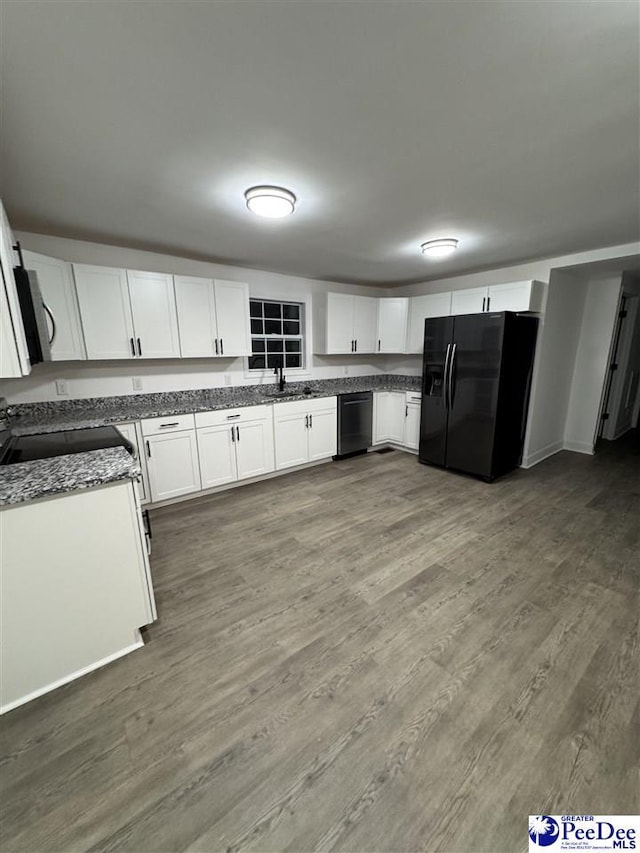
x,y
34,315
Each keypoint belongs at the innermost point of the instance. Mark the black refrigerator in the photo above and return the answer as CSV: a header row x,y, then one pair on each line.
x,y
476,378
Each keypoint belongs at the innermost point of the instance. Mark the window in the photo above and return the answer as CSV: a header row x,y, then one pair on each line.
x,y
277,334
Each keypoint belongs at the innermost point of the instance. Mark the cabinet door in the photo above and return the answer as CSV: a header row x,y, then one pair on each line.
x,y
510,297
172,462
340,334
59,295
392,324
232,312
471,301
421,307
412,425
290,435
323,434
254,448
153,304
217,452
105,311
195,307
365,323
389,416
131,432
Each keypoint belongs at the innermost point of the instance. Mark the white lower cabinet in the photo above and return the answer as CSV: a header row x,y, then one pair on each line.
x,y
132,432
234,444
412,420
388,416
172,456
305,431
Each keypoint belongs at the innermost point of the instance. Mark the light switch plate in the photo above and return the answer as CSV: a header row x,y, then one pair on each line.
x,y
137,383
346,370
62,388
227,379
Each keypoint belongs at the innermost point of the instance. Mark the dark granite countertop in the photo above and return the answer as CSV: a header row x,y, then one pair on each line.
x,y
55,416
28,481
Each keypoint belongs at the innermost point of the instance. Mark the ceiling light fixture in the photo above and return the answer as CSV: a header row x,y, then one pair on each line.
x,y
272,202
439,248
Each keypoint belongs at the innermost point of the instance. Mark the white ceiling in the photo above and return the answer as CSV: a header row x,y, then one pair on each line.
x,y
510,125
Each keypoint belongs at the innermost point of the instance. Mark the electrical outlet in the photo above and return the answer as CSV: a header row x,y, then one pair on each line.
x,y
137,383
227,379
346,370
62,387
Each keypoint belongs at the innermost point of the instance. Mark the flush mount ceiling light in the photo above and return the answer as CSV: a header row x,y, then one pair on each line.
x,y
272,202
439,248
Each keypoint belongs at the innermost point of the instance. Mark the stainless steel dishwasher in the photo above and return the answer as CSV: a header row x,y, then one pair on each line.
x,y
355,415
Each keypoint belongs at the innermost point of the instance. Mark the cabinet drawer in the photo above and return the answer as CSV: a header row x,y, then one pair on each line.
x,y
302,407
414,397
171,423
232,416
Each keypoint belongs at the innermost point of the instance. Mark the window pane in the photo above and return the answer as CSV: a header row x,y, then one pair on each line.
x,y
274,360
273,309
256,362
274,346
293,361
257,327
291,327
273,327
255,308
292,346
257,344
291,312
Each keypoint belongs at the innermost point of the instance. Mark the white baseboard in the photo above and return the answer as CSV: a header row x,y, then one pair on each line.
x,y
538,455
579,447
72,676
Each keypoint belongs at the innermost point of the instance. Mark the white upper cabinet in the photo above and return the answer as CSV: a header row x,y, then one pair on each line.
x,y
232,314
392,324
59,295
346,324
421,307
514,296
339,323
213,317
155,321
365,323
470,301
14,354
195,303
105,311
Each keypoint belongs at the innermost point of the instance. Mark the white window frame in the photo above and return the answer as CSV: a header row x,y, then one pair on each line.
x,y
267,375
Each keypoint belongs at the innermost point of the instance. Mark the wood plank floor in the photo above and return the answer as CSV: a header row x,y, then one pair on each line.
x,y
369,655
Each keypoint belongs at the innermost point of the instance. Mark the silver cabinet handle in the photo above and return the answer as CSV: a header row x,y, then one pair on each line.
x,y
53,322
445,377
488,303
306,421
484,299
378,344
166,426
221,347
356,349
148,450
238,434
233,434
231,417
216,343
133,347
139,347
406,411
310,421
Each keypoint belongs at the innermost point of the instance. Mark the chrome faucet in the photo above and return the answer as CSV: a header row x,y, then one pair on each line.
x,y
281,380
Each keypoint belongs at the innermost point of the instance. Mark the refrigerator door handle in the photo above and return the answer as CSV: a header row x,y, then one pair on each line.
x,y
451,366
446,376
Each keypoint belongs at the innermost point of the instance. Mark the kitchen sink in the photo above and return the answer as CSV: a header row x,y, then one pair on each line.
x,y
282,395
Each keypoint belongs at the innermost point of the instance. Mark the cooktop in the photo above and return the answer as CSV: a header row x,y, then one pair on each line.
x,y
25,448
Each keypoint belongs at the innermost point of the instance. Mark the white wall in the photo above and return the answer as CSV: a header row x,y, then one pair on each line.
x,y
95,379
591,363
556,349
